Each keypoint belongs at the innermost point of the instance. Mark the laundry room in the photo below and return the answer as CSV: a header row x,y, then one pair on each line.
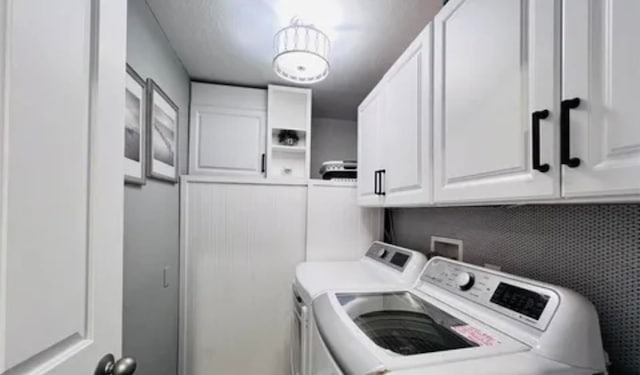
x,y
319,187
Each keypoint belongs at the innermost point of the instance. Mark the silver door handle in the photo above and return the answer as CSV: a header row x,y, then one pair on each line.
x,y
109,366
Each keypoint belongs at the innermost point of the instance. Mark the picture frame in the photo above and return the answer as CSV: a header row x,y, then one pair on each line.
x,y
162,134
135,128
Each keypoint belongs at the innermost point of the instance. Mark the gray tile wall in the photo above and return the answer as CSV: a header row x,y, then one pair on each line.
x,y
593,249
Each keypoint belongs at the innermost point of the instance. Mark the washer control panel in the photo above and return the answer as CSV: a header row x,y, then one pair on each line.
x,y
517,298
392,256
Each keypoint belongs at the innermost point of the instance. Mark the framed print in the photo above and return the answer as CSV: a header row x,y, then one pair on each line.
x,y
134,128
162,134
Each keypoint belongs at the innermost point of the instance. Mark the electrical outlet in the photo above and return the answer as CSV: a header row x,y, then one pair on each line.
x,y
446,247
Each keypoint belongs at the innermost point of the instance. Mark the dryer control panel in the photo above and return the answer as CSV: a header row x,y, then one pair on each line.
x,y
515,297
392,256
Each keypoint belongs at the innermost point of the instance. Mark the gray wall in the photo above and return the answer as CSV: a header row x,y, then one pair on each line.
x,y
593,249
151,218
332,139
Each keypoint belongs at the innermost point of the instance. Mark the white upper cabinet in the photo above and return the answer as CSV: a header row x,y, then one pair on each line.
x,y
228,130
497,68
369,122
602,71
407,125
394,132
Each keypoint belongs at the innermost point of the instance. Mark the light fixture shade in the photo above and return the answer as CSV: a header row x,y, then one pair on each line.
x,y
301,54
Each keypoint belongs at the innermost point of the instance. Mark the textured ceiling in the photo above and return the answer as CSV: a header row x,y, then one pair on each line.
x,y
231,41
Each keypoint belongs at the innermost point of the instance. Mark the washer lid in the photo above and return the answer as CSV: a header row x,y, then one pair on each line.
x,y
406,325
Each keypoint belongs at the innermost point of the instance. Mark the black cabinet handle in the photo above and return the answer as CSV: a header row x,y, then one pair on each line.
x,y
565,132
382,191
375,182
535,141
263,163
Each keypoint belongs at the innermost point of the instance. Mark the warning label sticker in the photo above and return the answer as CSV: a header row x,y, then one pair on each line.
x,y
476,335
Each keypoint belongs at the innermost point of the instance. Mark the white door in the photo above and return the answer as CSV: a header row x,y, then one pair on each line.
x,y
602,70
369,150
227,140
406,126
496,63
62,69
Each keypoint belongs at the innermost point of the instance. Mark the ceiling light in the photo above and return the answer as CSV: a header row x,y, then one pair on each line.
x,y
301,53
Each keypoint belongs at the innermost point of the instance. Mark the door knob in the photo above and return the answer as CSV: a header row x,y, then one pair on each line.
x,y
109,366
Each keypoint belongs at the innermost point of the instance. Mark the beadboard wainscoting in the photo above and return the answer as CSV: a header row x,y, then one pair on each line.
x,y
593,249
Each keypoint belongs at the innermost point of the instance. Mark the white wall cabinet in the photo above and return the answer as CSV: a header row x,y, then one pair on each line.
x,y
601,69
496,65
533,101
227,130
394,127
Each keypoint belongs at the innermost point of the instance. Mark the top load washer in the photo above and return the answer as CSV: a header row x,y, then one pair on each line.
x,y
460,319
383,267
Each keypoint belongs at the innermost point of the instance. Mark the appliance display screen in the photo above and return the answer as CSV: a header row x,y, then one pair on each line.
x,y
523,301
399,259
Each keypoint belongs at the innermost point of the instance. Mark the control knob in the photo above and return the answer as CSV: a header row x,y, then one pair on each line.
x,y
465,280
382,253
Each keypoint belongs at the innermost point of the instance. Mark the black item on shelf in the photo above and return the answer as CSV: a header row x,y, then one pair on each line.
x,y
288,137
339,169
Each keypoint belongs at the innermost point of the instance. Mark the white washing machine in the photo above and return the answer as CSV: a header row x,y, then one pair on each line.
x,y
383,267
458,319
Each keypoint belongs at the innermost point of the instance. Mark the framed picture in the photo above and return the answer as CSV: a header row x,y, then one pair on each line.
x,y
134,128
162,134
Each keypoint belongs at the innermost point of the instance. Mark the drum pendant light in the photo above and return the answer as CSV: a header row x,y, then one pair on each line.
x,y
301,53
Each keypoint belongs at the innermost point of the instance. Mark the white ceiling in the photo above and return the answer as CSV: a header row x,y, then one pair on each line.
x,y
231,41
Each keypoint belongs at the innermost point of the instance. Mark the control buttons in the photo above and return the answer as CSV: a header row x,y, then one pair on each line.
x,y
465,280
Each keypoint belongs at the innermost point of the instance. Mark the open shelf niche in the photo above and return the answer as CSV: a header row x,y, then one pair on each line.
x,y
289,124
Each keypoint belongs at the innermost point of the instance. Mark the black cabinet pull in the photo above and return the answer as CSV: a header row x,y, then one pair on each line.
x,y
375,182
565,132
263,163
535,141
383,191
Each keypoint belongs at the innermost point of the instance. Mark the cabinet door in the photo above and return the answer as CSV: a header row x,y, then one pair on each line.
x,y
227,141
496,62
406,126
601,57
369,120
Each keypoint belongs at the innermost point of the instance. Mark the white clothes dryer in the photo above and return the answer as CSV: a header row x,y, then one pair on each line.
x,y
383,267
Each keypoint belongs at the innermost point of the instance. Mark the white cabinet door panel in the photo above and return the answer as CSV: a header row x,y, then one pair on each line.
x,y
602,69
496,62
227,140
369,149
406,127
